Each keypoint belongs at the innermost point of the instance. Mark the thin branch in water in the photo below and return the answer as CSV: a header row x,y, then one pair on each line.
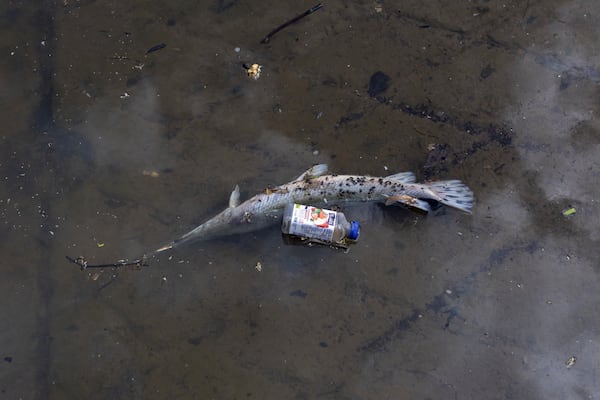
x,y
83,264
267,38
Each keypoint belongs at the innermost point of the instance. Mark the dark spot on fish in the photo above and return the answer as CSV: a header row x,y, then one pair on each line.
x,y
378,83
156,48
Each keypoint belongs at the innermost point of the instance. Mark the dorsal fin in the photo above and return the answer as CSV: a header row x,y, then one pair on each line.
x,y
403,177
234,198
313,172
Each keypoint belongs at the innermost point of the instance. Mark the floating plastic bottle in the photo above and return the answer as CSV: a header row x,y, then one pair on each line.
x,y
317,225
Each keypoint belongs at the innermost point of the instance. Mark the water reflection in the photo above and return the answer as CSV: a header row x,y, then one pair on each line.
x,y
497,302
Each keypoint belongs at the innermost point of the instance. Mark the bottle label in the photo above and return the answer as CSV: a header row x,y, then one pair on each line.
x,y
313,222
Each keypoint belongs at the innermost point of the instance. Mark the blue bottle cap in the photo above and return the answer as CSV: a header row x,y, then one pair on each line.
x,y
354,230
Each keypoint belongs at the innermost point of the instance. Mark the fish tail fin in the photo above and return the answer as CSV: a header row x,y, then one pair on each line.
x,y
453,193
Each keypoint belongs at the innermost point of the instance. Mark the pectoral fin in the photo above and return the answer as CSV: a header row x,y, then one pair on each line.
x,y
410,202
401,198
234,198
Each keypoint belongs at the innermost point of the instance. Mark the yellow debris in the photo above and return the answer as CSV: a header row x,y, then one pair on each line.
x,y
152,174
254,71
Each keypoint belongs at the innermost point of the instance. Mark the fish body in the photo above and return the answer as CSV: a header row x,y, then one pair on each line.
x,y
315,187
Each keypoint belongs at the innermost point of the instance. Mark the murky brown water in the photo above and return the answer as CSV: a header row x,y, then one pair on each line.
x,y
108,152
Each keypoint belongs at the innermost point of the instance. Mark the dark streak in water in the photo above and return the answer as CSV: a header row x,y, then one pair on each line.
x,y
298,293
52,138
156,48
348,118
502,134
487,134
438,303
220,6
43,121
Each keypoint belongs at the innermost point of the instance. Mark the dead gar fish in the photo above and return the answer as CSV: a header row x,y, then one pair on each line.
x,y
316,188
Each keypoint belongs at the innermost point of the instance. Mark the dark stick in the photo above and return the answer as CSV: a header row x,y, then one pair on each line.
x,y
156,48
267,38
83,264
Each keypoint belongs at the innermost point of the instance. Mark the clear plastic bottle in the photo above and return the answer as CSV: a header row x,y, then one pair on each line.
x,y
318,225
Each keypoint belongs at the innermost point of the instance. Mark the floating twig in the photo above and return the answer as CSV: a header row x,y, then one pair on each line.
x,y
83,264
267,38
156,48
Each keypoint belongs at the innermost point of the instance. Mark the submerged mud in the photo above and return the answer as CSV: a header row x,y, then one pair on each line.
x,y
128,124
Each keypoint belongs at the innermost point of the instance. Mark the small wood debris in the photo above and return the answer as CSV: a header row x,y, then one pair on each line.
x,y
96,275
254,71
258,266
151,173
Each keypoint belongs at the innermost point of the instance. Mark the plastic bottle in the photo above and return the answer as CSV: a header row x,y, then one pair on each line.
x,y
318,225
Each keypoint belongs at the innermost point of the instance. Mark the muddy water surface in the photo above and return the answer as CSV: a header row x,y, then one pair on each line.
x,y
108,150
